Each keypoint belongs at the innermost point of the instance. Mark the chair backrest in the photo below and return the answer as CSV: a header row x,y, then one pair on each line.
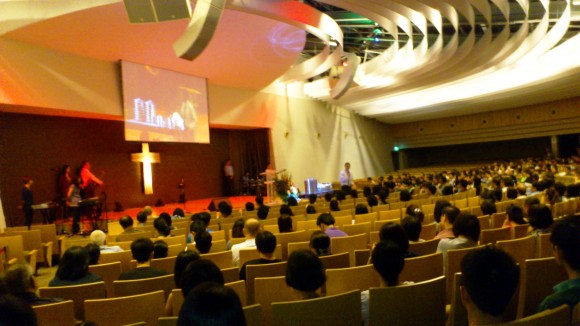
x,y
544,246
557,316
284,239
77,293
341,260
484,223
460,203
363,218
15,247
374,237
221,259
109,273
133,287
359,228
253,253
231,274
146,307
125,245
538,277
343,216
476,210
60,313
167,321
124,257
174,250
576,315
391,215
417,304
293,246
452,266
348,244
520,231
457,312
428,209
174,302
306,225
342,280
31,240
269,290
167,264
361,257
180,240
341,309
216,246
271,228
130,237
428,231
497,220
253,314
268,270
422,268
520,249
378,224
424,248
494,235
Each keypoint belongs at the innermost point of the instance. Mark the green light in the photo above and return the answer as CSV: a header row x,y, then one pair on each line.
x,y
396,148
377,31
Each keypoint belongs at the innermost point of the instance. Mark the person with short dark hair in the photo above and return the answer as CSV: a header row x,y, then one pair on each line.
x,y
162,228
383,195
334,206
197,226
266,245
340,195
73,268
178,213
259,200
405,195
94,253
392,231
142,218
515,216
224,209
286,210
414,210
372,201
361,209
326,222
263,212
438,210
446,190
167,218
312,198
292,201
203,242
142,251
328,197
412,226
488,207
198,272
354,193
160,249
127,224
249,207
16,312
320,243
466,229
565,239
183,259
212,304
310,209
237,231
285,223
540,219
346,178
448,215
305,273
489,280
511,193
20,282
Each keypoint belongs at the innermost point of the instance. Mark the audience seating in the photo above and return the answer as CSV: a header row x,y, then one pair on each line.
x,y
342,280
271,228
557,316
146,307
361,257
544,246
61,314
180,240
31,240
216,246
167,321
520,249
167,264
363,218
109,273
15,249
428,231
453,265
132,287
520,231
422,268
378,209
497,220
306,225
235,241
284,238
131,236
359,228
391,215
457,313
374,237
341,260
538,277
221,259
424,248
174,250
269,290
576,315
348,244
174,303
417,304
253,253
240,288
460,203
342,309
77,293
476,210
494,235
231,274
341,216
47,234
484,223
253,315
428,209
125,245
293,246
268,270
124,257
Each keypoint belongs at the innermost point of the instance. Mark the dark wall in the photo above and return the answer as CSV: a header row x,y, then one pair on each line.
x,y
479,152
37,146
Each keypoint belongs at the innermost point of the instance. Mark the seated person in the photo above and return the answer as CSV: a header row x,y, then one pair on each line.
x,y
263,212
489,280
292,200
99,238
361,209
414,210
286,210
163,229
488,207
285,223
200,271
212,303
127,225
160,249
16,312
565,239
94,253
167,218
388,260
312,198
515,216
412,226
320,243
141,218
20,283
466,229
372,201
197,226
326,224
203,242
148,211
183,259
266,245
73,268
178,213
250,207
540,218
392,231
224,209
334,206
310,209
251,229
142,250
237,232
438,211
383,195
448,215
305,274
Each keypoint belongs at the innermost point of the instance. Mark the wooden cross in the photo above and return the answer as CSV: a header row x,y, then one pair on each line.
x,y
146,158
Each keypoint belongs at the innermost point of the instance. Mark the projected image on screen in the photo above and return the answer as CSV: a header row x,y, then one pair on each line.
x,y
164,106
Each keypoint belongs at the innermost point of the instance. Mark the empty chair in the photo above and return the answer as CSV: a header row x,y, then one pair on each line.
x,y
348,244
293,246
221,259
61,313
557,316
417,304
268,270
346,279
341,309
109,273
31,240
126,310
520,249
124,257
268,290
133,287
422,268
341,260
424,248
15,251
77,293
494,235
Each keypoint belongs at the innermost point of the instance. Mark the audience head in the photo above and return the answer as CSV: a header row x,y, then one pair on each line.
x,y
286,210
467,225
292,201
249,206
566,240
98,237
412,226
394,232
205,217
238,229
16,312
383,195
450,213
259,200
212,304
354,193
490,278
160,249
372,201
320,243
432,189
414,210
447,190
142,250
178,212
19,281
310,209
126,222
305,272
225,209
94,253
340,195
163,229
312,198
181,262
203,242
263,212
325,220
511,193
196,227
388,260
540,217
142,217
405,195
439,205
166,217
328,197
148,211
361,209
266,242
488,207
515,214
334,206
199,271
285,223
367,191
251,228
74,264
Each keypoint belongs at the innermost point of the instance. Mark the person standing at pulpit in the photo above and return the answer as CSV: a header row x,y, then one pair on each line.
x,y
89,180
229,178
27,201
346,178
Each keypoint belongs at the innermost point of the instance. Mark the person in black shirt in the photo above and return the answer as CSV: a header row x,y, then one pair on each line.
x,y
27,201
266,245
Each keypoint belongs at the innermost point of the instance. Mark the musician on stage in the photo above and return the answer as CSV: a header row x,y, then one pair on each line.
x,y
88,180
27,201
73,200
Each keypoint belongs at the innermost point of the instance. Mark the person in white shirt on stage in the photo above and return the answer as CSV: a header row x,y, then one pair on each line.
x,y
346,179
251,227
229,178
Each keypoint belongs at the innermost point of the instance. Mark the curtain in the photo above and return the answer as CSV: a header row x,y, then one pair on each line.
x,y
249,151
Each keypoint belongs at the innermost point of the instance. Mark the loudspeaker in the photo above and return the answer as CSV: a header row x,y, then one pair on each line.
x,y
140,11
213,204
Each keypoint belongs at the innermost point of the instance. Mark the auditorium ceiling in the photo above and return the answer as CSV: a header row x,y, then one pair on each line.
x,y
395,61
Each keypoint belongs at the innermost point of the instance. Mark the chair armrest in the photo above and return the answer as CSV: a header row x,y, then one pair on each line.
x,y
30,257
48,253
12,261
